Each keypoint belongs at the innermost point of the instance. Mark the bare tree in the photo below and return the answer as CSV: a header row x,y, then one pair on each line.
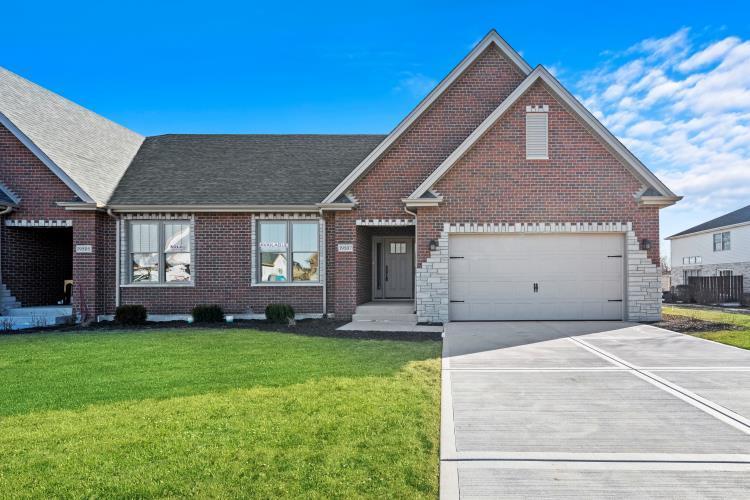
x,y
665,267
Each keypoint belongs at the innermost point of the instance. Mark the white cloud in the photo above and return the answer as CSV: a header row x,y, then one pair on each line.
x,y
685,112
416,84
709,55
646,127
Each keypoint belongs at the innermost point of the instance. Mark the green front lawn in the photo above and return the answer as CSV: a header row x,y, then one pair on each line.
x,y
217,413
739,336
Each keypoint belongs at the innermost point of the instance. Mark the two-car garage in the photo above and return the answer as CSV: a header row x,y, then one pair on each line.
x,y
536,276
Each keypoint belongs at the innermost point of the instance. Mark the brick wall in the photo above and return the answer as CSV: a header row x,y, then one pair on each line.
x,y
581,182
222,275
438,132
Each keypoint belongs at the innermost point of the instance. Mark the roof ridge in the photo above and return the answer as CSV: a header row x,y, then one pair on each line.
x,y
706,226
63,98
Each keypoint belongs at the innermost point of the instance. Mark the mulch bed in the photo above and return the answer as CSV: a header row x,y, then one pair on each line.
x,y
308,327
685,324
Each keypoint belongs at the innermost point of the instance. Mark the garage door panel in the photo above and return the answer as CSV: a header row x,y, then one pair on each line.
x,y
577,277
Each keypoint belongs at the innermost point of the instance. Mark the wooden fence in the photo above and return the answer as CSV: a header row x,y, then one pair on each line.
x,y
715,289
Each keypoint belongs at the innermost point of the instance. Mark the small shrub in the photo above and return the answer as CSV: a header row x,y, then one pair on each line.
x,y
131,315
279,313
208,314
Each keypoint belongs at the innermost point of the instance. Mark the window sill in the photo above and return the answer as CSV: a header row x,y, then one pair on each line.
x,y
292,284
158,285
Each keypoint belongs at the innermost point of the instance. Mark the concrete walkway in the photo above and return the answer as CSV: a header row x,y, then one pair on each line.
x,y
592,410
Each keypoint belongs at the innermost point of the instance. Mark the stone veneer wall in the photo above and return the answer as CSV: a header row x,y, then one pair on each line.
x,y
643,286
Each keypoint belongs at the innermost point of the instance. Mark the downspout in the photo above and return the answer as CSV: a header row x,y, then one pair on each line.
x,y
117,256
5,211
324,252
416,254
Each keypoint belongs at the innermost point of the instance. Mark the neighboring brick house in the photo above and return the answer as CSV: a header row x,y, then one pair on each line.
x,y
498,197
719,247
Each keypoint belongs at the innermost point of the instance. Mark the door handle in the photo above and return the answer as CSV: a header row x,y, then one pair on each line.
x,y
536,287
386,273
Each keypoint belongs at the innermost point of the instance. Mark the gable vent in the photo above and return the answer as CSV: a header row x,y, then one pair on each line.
x,y
537,136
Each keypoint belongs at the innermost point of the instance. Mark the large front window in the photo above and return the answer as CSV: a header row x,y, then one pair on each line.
x,y
288,251
160,252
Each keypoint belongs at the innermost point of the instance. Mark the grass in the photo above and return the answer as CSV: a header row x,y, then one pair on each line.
x,y
739,337
217,413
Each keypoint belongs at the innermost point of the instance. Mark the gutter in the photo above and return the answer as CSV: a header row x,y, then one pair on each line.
x,y
78,205
659,201
213,208
8,209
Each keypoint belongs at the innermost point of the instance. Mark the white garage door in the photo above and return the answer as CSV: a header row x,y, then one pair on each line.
x,y
536,277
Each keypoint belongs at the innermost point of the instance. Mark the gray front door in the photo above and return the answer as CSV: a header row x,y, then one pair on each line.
x,y
398,268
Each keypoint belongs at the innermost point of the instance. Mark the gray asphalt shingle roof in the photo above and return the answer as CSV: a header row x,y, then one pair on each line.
x,y
736,217
187,169
93,151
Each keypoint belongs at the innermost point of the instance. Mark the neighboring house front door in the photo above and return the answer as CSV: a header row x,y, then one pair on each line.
x,y
397,270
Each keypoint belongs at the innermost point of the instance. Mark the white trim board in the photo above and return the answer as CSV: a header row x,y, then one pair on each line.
x,y
566,98
36,151
491,38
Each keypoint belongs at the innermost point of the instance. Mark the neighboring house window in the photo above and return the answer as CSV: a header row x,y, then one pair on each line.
x,y
537,133
722,241
691,260
688,273
288,251
160,252
725,272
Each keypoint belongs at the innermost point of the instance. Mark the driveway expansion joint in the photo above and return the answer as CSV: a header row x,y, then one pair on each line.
x,y
715,410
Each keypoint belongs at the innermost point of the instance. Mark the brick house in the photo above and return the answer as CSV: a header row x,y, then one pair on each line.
x,y
498,197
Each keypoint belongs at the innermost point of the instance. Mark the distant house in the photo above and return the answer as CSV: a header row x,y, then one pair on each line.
x,y
719,247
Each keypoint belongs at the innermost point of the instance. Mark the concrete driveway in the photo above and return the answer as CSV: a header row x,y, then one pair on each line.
x,y
592,410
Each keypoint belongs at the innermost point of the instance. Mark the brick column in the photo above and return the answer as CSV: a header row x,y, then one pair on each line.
x,y
93,273
345,267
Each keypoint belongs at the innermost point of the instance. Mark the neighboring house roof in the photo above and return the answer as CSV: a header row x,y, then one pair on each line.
x,y
654,186
239,170
491,38
88,152
740,216
7,197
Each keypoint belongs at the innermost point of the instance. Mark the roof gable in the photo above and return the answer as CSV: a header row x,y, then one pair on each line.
x,y
492,38
740,216
653,185
86,151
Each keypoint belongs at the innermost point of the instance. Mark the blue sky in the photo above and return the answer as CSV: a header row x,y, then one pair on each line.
x,y
671,79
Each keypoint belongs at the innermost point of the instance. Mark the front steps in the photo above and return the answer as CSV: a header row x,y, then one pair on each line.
x,y
17,318
386,311
7,300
